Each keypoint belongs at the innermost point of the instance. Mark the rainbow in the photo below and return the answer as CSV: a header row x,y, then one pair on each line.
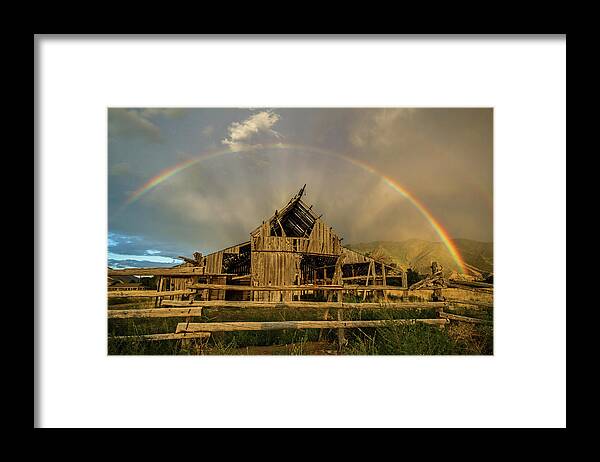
x,y
393,184
170,172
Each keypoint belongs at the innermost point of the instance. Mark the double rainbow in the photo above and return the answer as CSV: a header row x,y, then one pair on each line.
x,y
436,225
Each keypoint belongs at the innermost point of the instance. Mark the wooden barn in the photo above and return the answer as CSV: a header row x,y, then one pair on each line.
x,y
292,247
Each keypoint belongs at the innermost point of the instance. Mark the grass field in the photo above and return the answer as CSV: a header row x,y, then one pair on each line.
x,y
457,338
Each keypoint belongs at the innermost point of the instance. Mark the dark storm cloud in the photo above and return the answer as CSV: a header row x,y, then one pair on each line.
x,y
128,122
140,122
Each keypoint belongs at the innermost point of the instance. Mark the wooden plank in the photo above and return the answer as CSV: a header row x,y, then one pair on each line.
x,y
143,303
307,305
470,302
481,290
147,293
242,277
155,313
279,325
471,283
384,282
456,317
367,281
156,337
340,313
341,332
160,287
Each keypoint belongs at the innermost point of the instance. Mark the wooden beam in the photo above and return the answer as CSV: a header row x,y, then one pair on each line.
x,y
279,325
155,313
470,302
384,281
456,317
144,303
160,287
367,281
481,290
340,299
189,260
147,293
471,283
155,337
307,305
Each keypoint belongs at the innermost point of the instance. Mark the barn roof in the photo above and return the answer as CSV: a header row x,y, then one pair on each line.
x,y
296,219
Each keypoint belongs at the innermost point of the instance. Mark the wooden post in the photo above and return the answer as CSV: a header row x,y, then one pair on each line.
x,y
206,293
341,334
329,295
158,300
439,313
325,318
367,282
436,270
385,299
338,279
187,343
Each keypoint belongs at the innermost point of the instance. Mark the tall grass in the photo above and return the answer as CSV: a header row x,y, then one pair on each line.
x,y
418,339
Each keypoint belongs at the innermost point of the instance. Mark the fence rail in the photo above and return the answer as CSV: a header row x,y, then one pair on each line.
x,y
456,317
147,293
458,301
158,337
280,325
324,305
195,307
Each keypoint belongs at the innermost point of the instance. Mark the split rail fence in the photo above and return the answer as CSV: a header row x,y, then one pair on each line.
x,y
191,308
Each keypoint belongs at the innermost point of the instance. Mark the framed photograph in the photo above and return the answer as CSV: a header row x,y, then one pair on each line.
x,y
310,231
283,224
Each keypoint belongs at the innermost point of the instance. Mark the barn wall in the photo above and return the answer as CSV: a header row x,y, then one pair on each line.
x,y
352,257
214,263
276,260
272,269
323,240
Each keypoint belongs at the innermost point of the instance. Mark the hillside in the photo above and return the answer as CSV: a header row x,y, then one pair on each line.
x,y
418,254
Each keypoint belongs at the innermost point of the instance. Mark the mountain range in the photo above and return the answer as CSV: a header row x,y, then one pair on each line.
x,y
418,254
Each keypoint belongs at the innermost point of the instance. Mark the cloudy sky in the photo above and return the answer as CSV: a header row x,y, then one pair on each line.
x,y
185,180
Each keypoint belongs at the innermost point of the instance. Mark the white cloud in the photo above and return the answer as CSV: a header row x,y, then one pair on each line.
x,y
253,132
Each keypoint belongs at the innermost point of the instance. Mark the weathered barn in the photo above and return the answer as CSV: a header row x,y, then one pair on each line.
x,y
293,247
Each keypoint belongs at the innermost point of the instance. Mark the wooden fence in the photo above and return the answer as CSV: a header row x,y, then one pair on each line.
x,y
193,308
